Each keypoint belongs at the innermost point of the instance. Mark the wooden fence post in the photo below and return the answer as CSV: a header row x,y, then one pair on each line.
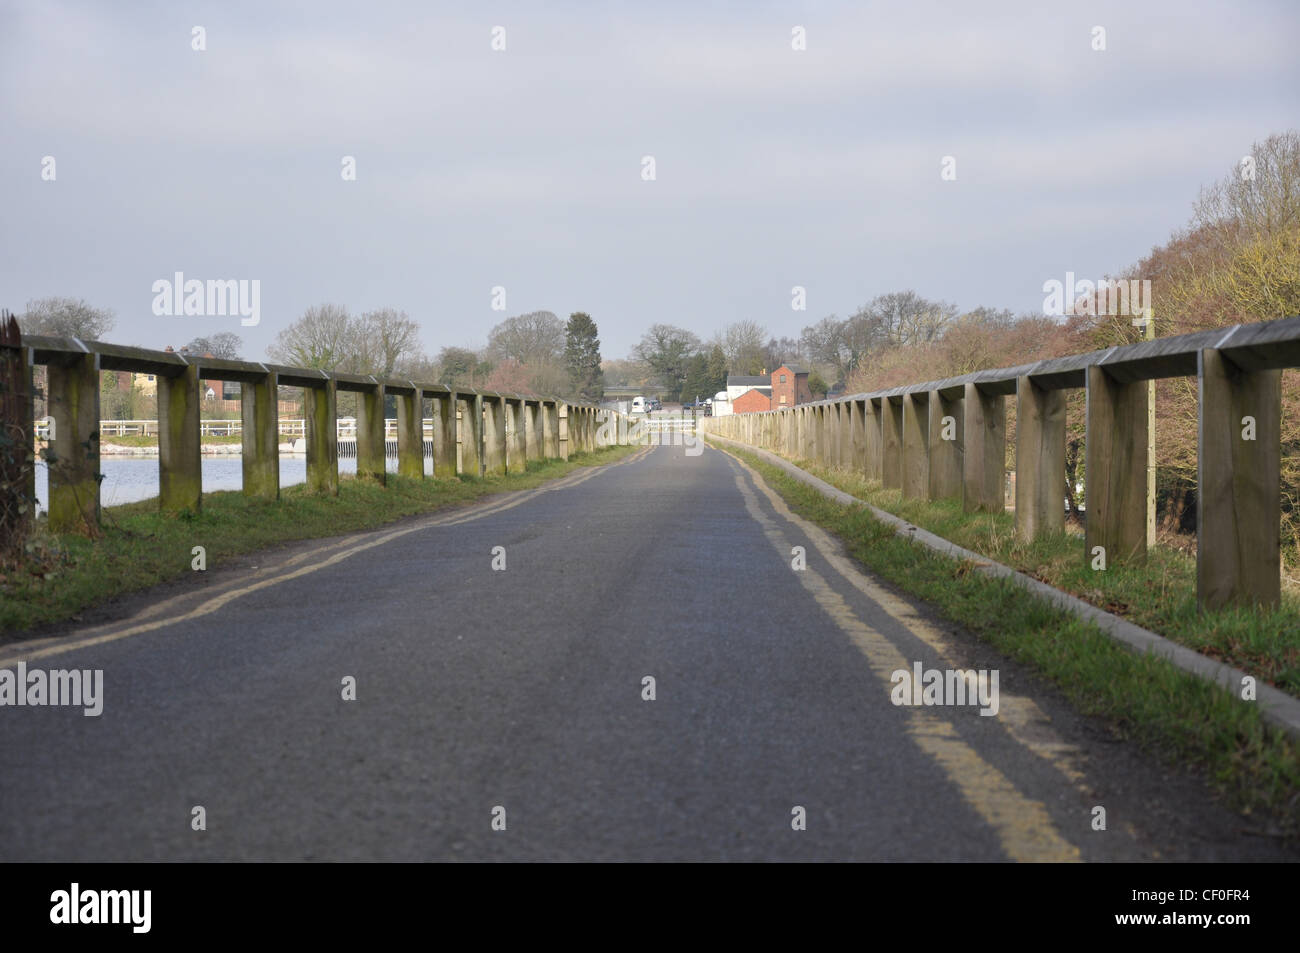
x,y
1238,500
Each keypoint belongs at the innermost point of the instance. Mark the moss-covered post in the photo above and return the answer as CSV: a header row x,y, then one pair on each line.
x,y
371,451
1238,506
532,431
74,444
516,455
550,414
17,439
564,433
410,434
259,410
494,434
444,433
320,404
471,433
180,475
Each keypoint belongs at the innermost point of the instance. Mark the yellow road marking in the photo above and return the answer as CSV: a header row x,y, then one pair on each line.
x,y
29,653
1024,827
1020,715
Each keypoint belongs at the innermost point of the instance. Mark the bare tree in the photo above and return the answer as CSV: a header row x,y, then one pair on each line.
x,y
841,345
225,345
742,342
1261,196
321,339
784,350
383,339
535,339
67,318
906,318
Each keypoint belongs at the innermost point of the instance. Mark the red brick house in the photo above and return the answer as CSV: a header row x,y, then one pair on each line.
x,y
790,386
752,401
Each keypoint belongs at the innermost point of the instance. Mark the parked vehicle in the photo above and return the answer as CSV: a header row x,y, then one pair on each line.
x,y
638,405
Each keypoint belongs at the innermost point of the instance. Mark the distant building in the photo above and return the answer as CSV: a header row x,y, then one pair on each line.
x,y
789,385
737,384
752,401
146,384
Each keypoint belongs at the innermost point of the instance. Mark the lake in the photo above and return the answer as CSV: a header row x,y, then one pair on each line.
x,y
130,479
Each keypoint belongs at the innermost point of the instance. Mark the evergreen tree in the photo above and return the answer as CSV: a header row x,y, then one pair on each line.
x,y
717,370
582,357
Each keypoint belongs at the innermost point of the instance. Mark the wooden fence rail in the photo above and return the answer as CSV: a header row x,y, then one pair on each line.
x,y
947,438
496,433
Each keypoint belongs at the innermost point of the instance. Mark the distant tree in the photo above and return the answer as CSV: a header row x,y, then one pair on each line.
x,y
508,377
697,382
716,376
989,317
225,345
743,345
666,349
625,373
67,318
115,403
383,339
1267,202
783,350
459,365
321,339
534,339
817,384
582,357
904,317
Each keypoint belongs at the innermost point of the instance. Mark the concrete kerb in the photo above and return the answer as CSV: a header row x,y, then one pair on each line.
x,y
1277,707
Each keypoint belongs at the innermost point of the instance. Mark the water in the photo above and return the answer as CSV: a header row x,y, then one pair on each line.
x,y
130,479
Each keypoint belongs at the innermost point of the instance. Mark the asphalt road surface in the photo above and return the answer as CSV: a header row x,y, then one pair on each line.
x,y
517,699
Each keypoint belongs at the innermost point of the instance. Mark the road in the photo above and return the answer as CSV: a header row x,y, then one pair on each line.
x,y
516,698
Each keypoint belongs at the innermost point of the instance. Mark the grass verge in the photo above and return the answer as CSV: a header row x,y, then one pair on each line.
x,y
1160,596
1179,717
141,547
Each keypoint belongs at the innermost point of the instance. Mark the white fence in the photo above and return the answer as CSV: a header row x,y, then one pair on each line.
x,y
289,427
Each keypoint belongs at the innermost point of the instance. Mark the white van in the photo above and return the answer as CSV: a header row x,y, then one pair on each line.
x,y
638,405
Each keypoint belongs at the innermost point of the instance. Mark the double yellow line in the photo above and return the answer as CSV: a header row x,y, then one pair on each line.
x,y
27,652
1023,825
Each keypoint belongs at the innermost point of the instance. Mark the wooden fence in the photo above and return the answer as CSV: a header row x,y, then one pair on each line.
x,y
947,439
496,433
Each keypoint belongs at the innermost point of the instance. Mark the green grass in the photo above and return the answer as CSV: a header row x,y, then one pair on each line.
x,y
140,440
1160,596
1178,716
141,547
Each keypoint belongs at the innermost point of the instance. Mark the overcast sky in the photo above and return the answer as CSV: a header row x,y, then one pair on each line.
x,y
523,168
